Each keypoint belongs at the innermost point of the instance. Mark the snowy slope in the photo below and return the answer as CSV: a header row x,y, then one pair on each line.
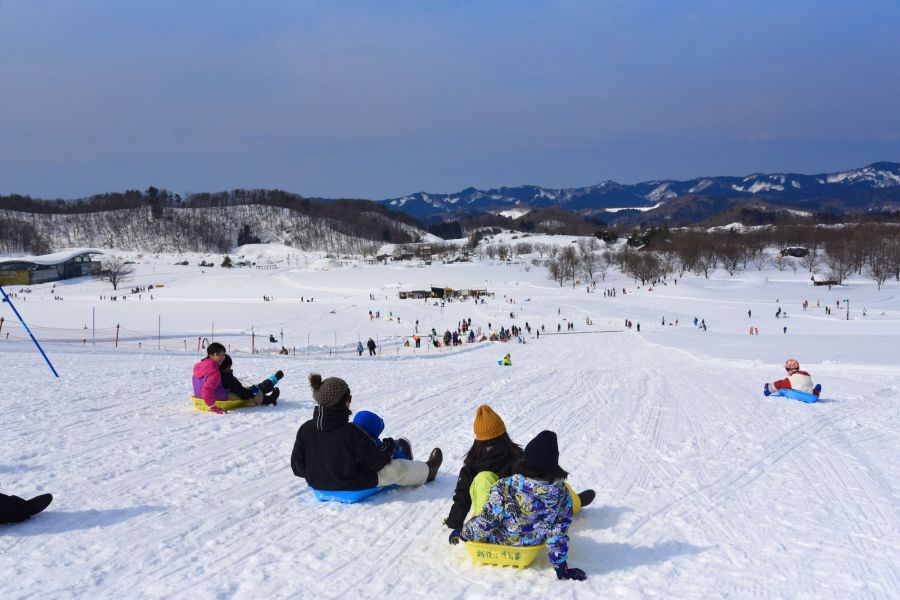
x,y
704,487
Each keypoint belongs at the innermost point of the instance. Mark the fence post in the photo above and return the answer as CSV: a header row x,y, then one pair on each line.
x,y
117,335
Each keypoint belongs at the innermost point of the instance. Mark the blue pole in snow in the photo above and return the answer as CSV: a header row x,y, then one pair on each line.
x,y
25,325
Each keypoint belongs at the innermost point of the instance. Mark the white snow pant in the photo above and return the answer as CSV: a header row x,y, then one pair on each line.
x,y
403,472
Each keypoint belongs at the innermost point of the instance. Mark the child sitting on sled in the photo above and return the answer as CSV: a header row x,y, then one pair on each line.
x,y
264,392
493,452
796,380
506,362
530,508
373,425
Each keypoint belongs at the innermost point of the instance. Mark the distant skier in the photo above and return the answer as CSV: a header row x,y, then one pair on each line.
x,y
371,346
359,348
796,380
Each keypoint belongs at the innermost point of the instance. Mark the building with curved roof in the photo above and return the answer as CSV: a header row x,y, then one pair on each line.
x,y
29,270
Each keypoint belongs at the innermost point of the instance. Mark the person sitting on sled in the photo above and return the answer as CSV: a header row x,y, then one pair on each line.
x,y
530,508
507,361
207,379
333,454
264,392
796,380
374,425
492,457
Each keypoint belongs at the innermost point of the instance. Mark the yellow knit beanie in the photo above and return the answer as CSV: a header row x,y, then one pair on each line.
x,y
488,424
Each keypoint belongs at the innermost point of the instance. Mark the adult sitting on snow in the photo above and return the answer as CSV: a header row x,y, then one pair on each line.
x,y
332,453
796,380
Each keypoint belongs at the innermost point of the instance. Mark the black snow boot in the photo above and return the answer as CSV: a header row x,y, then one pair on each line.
x,y
268,384
434,463
586,497
272,398
39,503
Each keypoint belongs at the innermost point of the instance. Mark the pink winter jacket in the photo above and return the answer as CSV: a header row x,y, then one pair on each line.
x,y
208,382
798,380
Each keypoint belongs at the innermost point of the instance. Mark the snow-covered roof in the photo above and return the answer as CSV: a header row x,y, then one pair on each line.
x,y
54,258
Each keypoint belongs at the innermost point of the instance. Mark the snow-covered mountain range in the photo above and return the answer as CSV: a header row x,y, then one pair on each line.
x,y
856,189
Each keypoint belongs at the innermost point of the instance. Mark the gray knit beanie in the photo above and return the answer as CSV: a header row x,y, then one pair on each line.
x,y
328,392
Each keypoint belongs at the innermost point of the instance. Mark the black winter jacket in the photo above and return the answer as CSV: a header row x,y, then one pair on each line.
x,y
499,459
231,383
332,453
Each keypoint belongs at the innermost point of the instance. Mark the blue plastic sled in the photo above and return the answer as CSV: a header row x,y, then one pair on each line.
x,y
346,496
795,395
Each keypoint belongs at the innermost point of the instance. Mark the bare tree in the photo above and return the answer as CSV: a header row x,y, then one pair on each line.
x,y
603,264
556,270
812,260
838,257
115,271
568,256
730,251
705,263
782,262
587,265
880,264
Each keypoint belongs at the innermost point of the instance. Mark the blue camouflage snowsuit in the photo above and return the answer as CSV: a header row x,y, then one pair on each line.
x,y
525,512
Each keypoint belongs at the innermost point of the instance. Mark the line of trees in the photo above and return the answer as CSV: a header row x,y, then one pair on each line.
x,y
828,254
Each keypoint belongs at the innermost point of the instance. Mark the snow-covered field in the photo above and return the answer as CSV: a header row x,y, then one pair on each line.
x,y
705,488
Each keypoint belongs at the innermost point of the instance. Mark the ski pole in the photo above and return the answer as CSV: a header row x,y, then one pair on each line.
x,y
25,325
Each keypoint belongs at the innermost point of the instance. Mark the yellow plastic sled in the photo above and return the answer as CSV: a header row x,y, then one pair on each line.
x,y
504,556
200,404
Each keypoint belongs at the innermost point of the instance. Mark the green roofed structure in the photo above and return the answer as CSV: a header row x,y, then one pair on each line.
x,y
29,270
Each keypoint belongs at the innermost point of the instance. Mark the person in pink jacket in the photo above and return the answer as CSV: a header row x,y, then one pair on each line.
x,y
207,379
796,380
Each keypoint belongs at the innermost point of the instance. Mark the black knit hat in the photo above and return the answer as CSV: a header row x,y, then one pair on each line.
x,y
328,392
542,452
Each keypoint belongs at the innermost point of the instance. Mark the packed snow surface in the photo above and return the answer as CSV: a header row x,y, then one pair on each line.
x,y
705,488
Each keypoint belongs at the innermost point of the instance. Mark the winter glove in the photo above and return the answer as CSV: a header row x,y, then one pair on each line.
x,y
564,572
455,537
766,391
388,445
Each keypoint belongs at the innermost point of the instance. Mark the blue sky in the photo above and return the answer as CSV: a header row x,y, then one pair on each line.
x,y
379,99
